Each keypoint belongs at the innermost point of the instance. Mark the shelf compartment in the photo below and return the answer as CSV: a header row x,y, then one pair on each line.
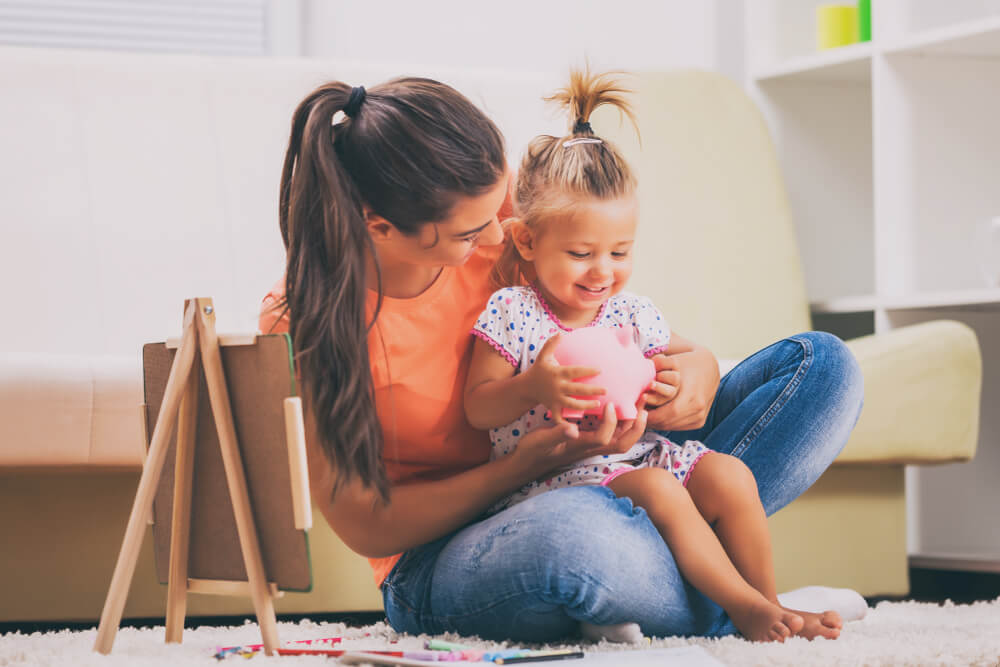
x,y
831,199
937,168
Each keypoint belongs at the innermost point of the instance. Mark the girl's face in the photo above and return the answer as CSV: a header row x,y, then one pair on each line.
x,y
450,242
584,258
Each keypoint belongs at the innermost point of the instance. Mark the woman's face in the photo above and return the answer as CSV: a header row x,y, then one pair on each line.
x,y
473,222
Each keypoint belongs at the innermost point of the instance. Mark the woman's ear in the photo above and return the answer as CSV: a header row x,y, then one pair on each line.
x,y
523,238
379,228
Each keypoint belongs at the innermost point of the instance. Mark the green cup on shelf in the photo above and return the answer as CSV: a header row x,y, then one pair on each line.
x,y
864,20
836,25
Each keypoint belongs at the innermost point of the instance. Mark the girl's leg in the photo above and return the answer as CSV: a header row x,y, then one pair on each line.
x,y
786,412
724,491
700,556
533,572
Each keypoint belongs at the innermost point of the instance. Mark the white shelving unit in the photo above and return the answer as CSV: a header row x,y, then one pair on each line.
x,y
891,153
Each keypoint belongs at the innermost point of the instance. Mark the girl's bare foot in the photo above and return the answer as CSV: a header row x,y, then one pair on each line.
x,y
763,621
826,624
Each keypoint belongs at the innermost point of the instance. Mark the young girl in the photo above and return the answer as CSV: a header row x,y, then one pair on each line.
x,y
573,235
387,195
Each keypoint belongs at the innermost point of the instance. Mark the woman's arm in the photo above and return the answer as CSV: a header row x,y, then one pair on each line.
x,y
694,371
423,511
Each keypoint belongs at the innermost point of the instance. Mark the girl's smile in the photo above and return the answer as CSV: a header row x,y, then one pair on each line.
x,y
597,293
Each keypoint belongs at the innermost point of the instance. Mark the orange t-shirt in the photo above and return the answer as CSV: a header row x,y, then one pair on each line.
x,y
419,351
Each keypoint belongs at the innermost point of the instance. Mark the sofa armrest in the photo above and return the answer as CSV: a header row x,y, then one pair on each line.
x,y
67,411
922,393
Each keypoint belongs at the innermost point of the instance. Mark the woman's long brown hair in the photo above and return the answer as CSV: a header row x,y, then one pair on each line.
x,y
412,149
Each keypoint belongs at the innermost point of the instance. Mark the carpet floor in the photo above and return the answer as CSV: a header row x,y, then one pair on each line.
x,y
893,633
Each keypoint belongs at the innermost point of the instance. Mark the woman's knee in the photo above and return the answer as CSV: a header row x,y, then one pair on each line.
x,y
833,363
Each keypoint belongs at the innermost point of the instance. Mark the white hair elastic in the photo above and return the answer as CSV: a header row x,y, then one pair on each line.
x,y
582,140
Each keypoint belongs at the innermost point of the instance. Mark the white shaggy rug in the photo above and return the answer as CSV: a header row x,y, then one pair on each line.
x,y
897,633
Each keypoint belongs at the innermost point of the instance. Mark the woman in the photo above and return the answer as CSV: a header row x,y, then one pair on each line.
x,y
388,217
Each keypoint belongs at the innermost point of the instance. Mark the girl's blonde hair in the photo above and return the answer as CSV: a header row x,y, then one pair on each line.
x,y
558,173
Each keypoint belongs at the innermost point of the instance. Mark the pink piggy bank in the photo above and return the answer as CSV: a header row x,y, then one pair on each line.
x,y
625,373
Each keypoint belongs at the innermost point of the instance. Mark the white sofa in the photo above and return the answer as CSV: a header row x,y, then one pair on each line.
x,y
131,182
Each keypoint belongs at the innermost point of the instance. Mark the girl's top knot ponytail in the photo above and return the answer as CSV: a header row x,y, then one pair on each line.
x,y
582,127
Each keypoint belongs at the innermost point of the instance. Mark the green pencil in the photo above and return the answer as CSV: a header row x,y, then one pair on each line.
x,y
439,645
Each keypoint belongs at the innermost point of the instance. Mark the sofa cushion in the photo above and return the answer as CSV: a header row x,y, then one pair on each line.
x,y
70,410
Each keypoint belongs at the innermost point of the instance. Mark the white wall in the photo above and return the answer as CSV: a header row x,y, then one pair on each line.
x,y
528,35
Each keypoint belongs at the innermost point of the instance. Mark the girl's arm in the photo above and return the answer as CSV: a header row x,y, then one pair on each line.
x,y
495,396
694,371
423,511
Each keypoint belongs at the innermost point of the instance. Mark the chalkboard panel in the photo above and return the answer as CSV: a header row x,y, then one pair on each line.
x,y
259,377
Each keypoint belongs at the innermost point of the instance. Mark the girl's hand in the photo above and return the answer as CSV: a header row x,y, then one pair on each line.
x,y
555,386
563,444
695,378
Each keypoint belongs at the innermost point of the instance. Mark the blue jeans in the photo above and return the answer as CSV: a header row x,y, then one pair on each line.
x,y
532,572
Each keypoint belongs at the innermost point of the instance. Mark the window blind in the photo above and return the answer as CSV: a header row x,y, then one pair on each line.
x,y
222,27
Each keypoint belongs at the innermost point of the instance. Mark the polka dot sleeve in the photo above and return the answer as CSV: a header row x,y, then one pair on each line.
x,y
500,324
652,327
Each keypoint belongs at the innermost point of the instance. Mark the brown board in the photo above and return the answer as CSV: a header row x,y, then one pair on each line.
x,y
259,377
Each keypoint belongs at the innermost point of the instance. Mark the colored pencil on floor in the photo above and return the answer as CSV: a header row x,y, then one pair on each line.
x,y
538,656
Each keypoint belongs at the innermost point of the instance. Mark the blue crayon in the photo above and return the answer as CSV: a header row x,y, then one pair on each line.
x,y
509,653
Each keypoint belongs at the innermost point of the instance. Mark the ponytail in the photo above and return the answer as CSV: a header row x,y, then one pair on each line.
x,y
585,93
407,150
322,224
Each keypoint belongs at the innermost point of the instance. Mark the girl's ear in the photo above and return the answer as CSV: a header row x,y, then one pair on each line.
x,y
523,238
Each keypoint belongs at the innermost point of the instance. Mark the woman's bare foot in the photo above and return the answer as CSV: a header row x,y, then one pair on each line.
x,y
826,624
763,621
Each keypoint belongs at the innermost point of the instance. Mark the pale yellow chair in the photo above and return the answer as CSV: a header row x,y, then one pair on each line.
x,y
716,250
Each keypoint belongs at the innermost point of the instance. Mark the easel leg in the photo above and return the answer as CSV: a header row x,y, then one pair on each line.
x,y
114,605
180,525
222,411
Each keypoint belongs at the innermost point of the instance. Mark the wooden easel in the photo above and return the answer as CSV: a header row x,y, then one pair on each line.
x,y
199,344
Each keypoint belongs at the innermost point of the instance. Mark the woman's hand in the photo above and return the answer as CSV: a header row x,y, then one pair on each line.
x,y
663,389
693,374
555,386
563,443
